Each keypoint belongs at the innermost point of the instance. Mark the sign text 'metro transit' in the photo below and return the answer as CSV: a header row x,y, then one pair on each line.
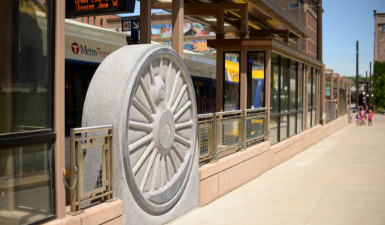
x,y
76,8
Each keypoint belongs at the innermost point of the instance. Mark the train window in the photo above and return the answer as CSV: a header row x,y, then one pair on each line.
x,y
256,80
274,84
292,84
231,84
299,86
284,85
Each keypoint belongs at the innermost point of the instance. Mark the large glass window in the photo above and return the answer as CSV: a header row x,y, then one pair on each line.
x,y
25,88
299,123
274,130
256,80
286,82
26,115
284,85
274,83
299,86
309,86
231,89
293,80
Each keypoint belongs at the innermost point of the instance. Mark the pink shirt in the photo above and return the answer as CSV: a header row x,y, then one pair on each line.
x,y
362,113
370,115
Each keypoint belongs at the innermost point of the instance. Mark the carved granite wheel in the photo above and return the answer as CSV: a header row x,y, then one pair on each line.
x,y
146,93
162,133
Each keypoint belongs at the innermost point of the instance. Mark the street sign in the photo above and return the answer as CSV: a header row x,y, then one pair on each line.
x,y
131,23
75,8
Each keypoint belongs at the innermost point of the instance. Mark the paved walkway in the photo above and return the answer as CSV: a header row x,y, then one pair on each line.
x,y
339,180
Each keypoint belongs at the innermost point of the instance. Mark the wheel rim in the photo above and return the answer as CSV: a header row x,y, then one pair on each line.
x,y
161,133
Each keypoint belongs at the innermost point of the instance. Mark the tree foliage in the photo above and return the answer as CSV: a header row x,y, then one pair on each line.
x,y
379,84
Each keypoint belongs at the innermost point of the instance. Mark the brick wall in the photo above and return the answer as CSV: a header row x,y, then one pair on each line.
x,y
380,38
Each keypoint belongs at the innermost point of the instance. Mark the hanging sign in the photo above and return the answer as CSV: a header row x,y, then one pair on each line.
x,y
75,8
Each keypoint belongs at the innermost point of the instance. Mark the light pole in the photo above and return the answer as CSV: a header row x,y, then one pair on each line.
x,y
370,83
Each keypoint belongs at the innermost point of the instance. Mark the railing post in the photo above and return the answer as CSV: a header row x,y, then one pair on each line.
x,y
242,131
215,138
266,132
73,194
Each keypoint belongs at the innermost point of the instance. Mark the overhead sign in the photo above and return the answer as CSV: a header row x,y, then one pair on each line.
x,y
131,23
76,8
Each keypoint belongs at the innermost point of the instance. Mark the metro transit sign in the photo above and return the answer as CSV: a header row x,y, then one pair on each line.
x,y
131,23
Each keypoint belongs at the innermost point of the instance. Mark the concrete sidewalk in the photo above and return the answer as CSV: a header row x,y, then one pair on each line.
x,y
339,180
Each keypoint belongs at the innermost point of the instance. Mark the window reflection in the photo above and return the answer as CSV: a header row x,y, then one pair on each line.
x,y
24,80
299,86
293,77
273,130
283,128
299,123
284,86
293,123
231,90
256,80
25,184
274,83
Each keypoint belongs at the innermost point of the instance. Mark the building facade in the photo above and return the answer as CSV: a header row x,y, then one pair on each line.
x,y
304,11
379,36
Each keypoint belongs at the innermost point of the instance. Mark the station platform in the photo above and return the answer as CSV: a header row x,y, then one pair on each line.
x,y
339,180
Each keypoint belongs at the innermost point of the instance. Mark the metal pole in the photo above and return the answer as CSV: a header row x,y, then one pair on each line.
x,y
366,82
370,83
357,88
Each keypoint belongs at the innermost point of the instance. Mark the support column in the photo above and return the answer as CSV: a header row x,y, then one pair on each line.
x,y
323,90
332,86
267,87
245,21
347,96
338,94
145,21
177,26
220,80
220,31
243,78
59,110
286,37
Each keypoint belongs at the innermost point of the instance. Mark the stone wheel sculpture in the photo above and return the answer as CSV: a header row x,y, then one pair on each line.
x,y
157,127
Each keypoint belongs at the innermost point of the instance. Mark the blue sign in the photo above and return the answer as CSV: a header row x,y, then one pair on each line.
x,y
135,35
131,23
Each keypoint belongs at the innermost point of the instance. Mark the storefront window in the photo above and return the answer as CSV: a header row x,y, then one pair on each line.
x,y
24,77
309,86
26,115
274,83
284,86
299,123
292,123
256,80
293,78
299,86
283,128
274,130
231,89
26,184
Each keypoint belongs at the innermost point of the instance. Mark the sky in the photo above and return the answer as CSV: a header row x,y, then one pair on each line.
x,y
344,23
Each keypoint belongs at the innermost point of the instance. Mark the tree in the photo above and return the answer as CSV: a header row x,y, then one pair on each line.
x,y
379,84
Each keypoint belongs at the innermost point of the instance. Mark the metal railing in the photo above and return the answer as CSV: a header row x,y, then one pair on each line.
x,y
223,133
91,160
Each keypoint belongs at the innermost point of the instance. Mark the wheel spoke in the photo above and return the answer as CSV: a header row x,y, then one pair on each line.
x,y
152,75
182,110
140,142
182,140
143,158
173,88
179,126
173,162
177,100
141,126
154,174
148,170
142,109
168,169
178,152
162,171
161,70
147,93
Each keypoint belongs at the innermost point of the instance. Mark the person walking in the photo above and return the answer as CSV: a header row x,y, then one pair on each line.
x,y
363,115
370,118
358,118
366,112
